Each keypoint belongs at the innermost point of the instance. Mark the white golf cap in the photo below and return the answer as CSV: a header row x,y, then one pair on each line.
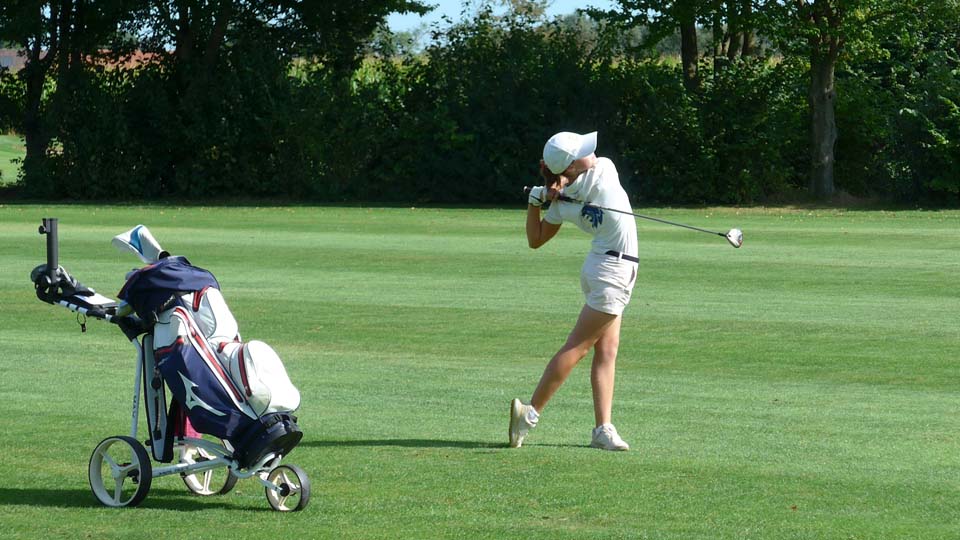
x,y
565,147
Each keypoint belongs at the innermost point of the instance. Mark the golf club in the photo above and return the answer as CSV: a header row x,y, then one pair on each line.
x,y
734,236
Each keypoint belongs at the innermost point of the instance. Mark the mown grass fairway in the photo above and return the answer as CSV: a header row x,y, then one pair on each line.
x,y
11,148
802,387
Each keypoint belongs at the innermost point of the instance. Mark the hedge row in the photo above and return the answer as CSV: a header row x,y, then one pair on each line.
x,y
465,122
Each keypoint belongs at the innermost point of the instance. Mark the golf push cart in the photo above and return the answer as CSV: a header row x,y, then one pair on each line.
x,y
230,414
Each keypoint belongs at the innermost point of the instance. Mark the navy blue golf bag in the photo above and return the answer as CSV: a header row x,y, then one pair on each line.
x,y
238,392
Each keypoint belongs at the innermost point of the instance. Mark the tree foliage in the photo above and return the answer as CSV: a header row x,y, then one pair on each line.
x,y
873,43
296,100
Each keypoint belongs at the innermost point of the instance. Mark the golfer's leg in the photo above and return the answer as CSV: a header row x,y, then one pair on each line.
x,y
603,371
590,326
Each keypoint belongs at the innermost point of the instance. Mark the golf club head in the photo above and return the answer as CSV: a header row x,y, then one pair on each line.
x,y
139,241
735,237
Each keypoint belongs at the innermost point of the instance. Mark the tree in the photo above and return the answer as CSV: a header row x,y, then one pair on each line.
x,y
826,32
532,9
731,21
56,34
63,38
664,18
193,35
333,31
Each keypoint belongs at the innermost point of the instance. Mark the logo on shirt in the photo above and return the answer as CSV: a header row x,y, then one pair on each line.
x,y
593,214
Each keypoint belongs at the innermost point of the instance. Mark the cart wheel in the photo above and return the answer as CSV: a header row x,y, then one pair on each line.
x,y
120,472
294,488
212,482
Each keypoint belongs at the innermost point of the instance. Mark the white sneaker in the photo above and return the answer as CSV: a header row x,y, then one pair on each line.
x,y
607,438
520,422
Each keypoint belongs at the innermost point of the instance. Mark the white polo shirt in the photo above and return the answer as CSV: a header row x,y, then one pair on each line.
x,y
610,230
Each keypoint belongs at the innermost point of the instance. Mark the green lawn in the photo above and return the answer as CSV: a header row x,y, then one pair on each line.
x,y
11,147
802,387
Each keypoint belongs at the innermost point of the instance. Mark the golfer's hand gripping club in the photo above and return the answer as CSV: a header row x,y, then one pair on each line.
x,y
537,195
527,190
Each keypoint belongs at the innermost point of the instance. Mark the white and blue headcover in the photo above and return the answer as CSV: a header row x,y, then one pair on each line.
x,y
141,242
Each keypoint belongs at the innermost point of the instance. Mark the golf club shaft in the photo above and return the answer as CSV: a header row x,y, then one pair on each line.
x,y
691,227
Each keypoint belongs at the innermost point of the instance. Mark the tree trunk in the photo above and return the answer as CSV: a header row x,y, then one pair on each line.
x,y
734,39
747,29
825,43
733,50
824,126
689,54
35,135
718,35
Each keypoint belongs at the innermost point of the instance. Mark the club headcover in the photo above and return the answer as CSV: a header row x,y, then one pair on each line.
x,y
139,241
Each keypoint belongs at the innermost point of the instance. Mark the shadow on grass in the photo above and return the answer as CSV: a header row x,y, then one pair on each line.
x,y
157,499
404,443
58,498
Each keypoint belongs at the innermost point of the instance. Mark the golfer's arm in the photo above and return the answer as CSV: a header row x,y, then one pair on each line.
x,y
538,230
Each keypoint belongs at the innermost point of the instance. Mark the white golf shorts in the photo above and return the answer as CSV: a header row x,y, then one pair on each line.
x,y
607,282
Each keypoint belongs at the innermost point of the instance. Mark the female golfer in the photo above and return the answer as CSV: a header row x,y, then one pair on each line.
x,y
570,167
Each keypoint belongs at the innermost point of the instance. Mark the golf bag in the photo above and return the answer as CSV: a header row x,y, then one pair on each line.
x,y
238,392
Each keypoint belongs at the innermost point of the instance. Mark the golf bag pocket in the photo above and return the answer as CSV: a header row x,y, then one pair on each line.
x,y
257,370
213,403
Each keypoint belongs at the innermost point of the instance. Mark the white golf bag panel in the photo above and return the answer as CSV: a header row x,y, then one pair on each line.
x,y
212,315
258,370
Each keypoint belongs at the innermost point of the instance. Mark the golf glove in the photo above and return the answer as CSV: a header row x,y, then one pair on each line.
x,y
538,196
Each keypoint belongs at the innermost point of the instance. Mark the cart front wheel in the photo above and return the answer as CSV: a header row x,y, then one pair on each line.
x,y
291,491
120,472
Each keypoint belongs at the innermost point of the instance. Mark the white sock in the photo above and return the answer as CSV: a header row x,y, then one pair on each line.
x,y
532,416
